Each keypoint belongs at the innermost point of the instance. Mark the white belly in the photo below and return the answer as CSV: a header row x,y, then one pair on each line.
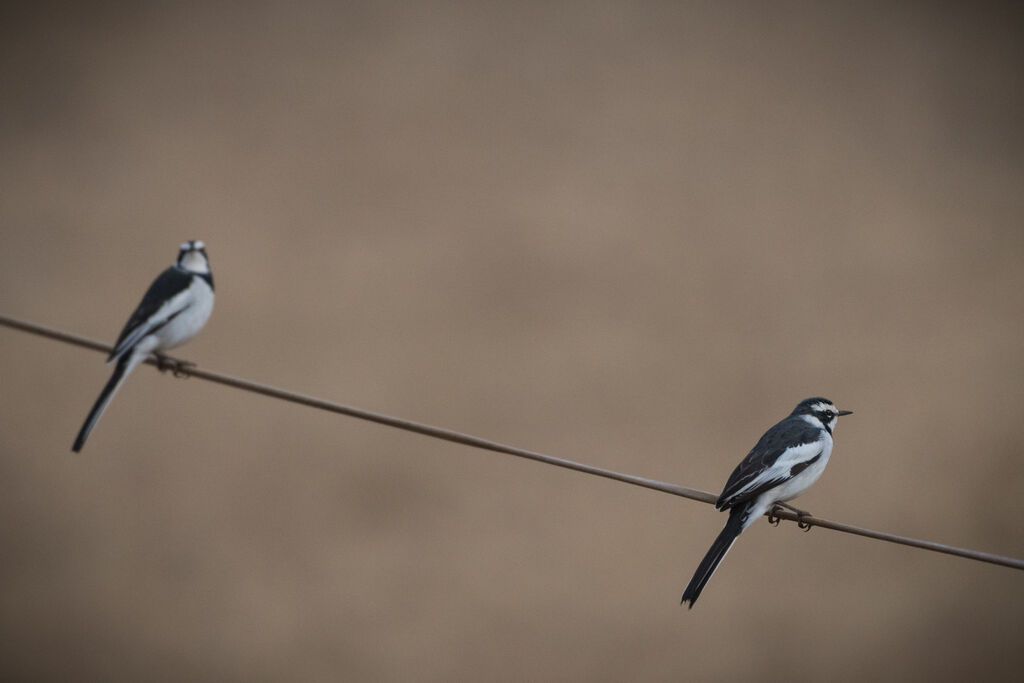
x,y
186,324
801,482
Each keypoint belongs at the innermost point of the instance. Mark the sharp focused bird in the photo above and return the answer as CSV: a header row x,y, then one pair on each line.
x,y
784,463
173,310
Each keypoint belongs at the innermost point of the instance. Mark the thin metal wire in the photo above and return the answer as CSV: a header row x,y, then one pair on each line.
x,y
477,442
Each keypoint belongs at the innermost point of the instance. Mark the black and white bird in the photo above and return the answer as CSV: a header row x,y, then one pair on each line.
x,y
173,310
784,463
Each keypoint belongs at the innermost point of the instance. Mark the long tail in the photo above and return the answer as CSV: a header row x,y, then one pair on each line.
x,y
125,364
707,566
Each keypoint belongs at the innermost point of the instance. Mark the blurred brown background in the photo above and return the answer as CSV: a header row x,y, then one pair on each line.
x,y
629,234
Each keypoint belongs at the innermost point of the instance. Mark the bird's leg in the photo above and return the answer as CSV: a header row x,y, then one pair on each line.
x,y
795,510
800,514
178,367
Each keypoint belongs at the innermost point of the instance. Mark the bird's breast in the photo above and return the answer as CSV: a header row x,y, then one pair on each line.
x,y
187,323
802,481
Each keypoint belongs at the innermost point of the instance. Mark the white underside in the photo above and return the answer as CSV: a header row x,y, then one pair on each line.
x,y
191,320
793,487
190,310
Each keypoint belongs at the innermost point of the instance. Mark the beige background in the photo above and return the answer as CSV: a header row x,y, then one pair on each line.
x,y
632,235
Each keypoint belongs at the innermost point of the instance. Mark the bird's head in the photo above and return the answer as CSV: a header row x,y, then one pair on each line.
x,y
192,257
820,410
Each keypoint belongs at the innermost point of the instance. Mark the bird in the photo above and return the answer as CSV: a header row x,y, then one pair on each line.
x,y
787,459
172,311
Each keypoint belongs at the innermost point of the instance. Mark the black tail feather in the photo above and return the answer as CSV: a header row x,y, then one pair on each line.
x,y
120,372
716,554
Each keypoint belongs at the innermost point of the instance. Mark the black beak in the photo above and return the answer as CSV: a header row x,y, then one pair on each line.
x,y
844,412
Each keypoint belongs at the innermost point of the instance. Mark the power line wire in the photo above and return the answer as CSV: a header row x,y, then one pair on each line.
x,y
486,444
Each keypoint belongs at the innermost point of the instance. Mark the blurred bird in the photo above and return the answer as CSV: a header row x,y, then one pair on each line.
x,y
784,463
173,310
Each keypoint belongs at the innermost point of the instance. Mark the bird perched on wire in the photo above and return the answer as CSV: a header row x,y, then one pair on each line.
x,y
173,310
784,463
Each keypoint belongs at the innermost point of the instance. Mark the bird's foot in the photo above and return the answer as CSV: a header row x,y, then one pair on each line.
x,y
774,520
178,367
